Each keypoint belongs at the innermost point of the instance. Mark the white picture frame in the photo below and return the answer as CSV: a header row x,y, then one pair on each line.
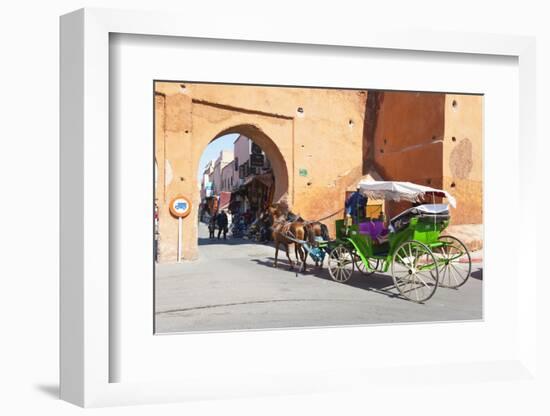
x,y
85,165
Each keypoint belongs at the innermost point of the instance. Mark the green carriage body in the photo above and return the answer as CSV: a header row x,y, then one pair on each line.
x,y
422,229
420,257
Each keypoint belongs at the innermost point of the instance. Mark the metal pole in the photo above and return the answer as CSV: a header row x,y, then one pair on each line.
x,y
179,239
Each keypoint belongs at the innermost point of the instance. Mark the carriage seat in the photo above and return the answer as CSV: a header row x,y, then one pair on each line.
x,y
436,212
375,229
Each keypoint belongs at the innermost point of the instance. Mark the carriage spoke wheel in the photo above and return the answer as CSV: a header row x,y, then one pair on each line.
x,y
360,265
455,263
414,271
340,264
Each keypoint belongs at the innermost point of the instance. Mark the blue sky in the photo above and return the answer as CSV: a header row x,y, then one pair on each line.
x,y
213,150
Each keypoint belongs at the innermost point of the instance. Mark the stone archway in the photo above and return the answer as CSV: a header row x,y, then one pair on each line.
x,y
312,137
278,163
184,128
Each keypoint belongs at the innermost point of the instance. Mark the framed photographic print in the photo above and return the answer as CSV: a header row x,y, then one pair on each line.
x,y
275,214
356,186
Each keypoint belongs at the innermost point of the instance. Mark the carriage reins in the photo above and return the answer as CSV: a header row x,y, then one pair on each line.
x,y
328,216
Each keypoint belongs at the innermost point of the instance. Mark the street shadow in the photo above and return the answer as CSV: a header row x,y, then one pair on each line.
x,y
376,282
281,263
478,274
230,241
51,390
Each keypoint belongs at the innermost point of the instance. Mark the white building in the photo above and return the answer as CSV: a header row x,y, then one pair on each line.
x,y
225,157
228,182
244,166
207,180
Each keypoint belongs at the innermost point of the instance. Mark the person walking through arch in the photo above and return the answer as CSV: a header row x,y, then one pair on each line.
x,y
222,220
211,226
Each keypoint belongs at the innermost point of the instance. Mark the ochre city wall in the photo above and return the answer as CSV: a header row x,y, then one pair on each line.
x,y
423,138
463,156
408,142
317,132
320,142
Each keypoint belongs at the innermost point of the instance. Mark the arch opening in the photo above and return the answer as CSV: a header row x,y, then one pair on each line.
x,y
241,172
272,153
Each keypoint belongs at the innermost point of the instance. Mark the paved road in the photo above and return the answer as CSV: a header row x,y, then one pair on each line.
x,y
233,286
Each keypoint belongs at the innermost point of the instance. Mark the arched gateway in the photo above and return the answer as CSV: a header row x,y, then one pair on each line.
x,y
274,155
313,139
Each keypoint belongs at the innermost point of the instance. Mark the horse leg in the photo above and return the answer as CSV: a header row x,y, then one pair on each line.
x,y
288,257
276,252
298,252
303,253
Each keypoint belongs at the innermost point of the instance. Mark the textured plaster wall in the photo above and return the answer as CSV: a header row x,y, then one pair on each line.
x,y
463,156
312,137
424,138
317,141
408,142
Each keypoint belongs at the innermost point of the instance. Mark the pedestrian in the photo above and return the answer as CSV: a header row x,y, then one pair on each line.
x,y
212,226
221,220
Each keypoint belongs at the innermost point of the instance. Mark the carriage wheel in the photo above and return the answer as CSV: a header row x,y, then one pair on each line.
x,y
455,263
363,268
414,271
340,264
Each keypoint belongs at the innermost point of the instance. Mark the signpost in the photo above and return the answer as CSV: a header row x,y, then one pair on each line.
x,y
180,207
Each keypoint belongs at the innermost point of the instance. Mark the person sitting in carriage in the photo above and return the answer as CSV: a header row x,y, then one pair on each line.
x,y
356,212
376,229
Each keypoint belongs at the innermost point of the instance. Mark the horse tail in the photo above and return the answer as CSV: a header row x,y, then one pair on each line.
x,y
309,233
324,232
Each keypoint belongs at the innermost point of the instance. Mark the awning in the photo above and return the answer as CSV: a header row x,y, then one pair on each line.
x,y
225,198
265,178
397,191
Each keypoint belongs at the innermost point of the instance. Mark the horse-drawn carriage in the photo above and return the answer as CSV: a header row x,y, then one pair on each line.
x,y
411,245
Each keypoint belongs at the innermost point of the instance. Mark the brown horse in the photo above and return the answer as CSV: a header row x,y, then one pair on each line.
x,y
282,229
297,228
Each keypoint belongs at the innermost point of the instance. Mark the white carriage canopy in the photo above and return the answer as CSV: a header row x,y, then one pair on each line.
x,y
401,191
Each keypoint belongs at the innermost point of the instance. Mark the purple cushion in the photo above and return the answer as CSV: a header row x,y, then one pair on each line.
x,y
372,228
